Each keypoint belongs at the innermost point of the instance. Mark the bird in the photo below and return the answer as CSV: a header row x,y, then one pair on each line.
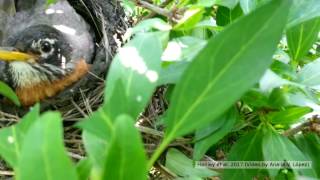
x,y
44,50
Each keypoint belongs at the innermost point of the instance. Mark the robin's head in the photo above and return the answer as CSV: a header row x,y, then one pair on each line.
x,y
41,58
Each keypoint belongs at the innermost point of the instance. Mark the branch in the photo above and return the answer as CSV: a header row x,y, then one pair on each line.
x,y
312,124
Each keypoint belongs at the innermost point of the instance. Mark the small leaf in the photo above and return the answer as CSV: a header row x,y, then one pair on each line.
x,y
43,146
9,93
181,165
301,38
285,150
309,144
226,16
222,72
289,115
214,132
126,158
247,148
136,68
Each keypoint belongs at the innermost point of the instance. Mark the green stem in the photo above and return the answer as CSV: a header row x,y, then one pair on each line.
x,y
164,144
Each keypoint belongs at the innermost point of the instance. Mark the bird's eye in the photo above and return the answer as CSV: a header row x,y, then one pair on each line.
x,y
45,47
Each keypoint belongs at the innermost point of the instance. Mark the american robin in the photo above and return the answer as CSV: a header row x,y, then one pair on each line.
x,y
44,50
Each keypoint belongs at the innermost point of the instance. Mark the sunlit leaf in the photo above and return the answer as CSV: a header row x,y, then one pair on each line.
x,y
223,71
133,76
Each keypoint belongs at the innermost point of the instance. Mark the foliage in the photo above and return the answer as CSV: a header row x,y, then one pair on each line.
x,y
244,70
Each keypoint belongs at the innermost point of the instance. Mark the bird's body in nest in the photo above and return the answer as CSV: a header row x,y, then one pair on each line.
x,y
46,50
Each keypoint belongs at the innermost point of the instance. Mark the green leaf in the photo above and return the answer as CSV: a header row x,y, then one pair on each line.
x,y
190,18
310,74
136,68
303,10
278,98
99,124
301,38
183,49
289,115
214,132
247,148
43,155
126,158
181,165
255,98
12,138
6,91
279,148
83,169
309,144
97,132
150,24
223,71
172,74
96,148
226,16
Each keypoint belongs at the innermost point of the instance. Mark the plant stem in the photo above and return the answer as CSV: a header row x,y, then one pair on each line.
x,y
164,144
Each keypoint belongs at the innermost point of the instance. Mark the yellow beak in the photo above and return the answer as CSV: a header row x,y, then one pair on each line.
x,y
8,56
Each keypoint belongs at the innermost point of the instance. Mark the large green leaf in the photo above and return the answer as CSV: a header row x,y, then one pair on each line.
x,y
9,93
214,132
136,68
248,148
301,38
223,71
43,156
12,138
279,148
126,158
